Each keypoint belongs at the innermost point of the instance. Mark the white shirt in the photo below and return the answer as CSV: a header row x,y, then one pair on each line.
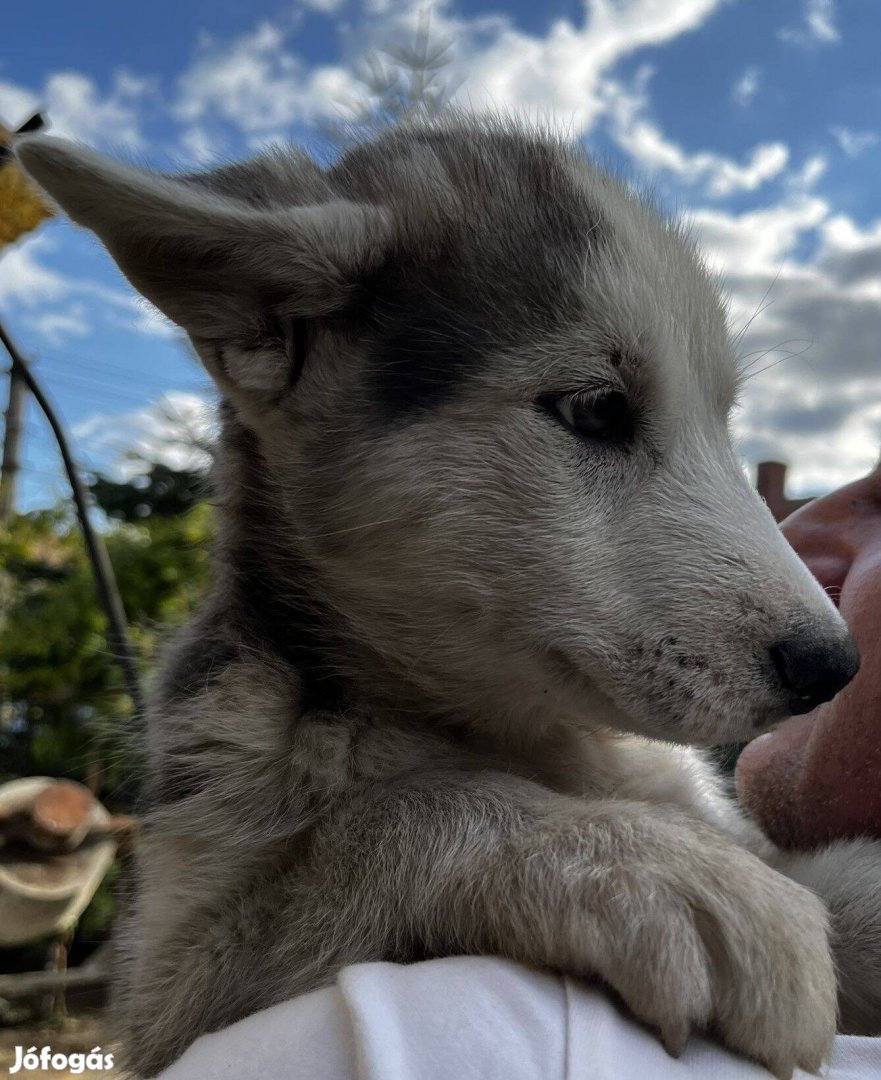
x,y
467,1018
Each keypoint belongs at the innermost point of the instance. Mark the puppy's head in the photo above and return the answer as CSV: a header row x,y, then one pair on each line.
x,y
491,389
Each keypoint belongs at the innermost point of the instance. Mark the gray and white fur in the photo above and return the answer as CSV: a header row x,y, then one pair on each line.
x,y
487,570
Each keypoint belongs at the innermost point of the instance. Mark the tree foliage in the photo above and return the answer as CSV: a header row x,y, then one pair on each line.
x,y
63,708
160,490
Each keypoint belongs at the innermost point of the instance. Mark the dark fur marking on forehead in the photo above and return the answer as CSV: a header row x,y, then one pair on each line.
x,y
426,337
505,265
494,230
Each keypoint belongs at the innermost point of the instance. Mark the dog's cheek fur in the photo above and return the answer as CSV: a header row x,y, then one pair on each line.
x,y
503,568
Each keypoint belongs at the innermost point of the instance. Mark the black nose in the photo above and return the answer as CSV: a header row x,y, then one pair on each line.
x,y
813,670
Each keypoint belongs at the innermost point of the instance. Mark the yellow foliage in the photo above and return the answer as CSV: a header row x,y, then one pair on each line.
x,y
21,208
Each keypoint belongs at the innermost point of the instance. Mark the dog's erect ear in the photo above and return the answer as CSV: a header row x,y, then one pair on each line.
x,y
229,274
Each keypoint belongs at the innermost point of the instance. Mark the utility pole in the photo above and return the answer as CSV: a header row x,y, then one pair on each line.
x,y
11,442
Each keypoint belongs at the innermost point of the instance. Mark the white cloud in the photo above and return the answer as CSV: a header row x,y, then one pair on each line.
x,y
854,143
651,150
756,242
747,86
563,72
57,327
175,430
805,178
259,85
812,348
69,303
828,438
76,108
16,104
817,27
820,19
25,280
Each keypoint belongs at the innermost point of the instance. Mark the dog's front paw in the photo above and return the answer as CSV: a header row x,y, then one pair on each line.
x,y
711,938
848,877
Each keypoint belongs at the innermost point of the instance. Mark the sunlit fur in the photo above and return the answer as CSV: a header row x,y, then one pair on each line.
x,y
432,702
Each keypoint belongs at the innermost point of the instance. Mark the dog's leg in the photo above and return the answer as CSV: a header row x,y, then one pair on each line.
x,y
847,876
691,930
646,770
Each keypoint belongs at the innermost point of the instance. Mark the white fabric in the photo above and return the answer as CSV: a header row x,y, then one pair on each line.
x,y
466,1018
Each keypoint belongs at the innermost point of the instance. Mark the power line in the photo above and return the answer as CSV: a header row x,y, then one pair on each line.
x,y
93,392
118,386
114,368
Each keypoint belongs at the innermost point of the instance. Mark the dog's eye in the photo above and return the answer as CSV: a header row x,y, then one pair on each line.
x,y
599,415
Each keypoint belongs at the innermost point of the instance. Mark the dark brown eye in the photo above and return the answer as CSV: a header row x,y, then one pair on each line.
x,y
598,415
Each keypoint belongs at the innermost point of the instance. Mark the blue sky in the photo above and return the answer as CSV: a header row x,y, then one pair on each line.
x,y
760,122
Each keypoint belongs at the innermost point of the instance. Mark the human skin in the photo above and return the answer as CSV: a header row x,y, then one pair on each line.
x,y
818,776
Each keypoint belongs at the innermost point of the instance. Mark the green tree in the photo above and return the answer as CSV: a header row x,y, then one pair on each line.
x,y
63,709
403,78
160,490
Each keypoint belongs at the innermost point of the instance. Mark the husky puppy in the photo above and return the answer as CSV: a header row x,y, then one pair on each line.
x,y
487,568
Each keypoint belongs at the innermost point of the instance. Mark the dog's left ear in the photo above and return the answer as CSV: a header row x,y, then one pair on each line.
x,y
234,277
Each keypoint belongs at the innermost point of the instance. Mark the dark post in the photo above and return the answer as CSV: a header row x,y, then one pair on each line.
x,y
11,443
